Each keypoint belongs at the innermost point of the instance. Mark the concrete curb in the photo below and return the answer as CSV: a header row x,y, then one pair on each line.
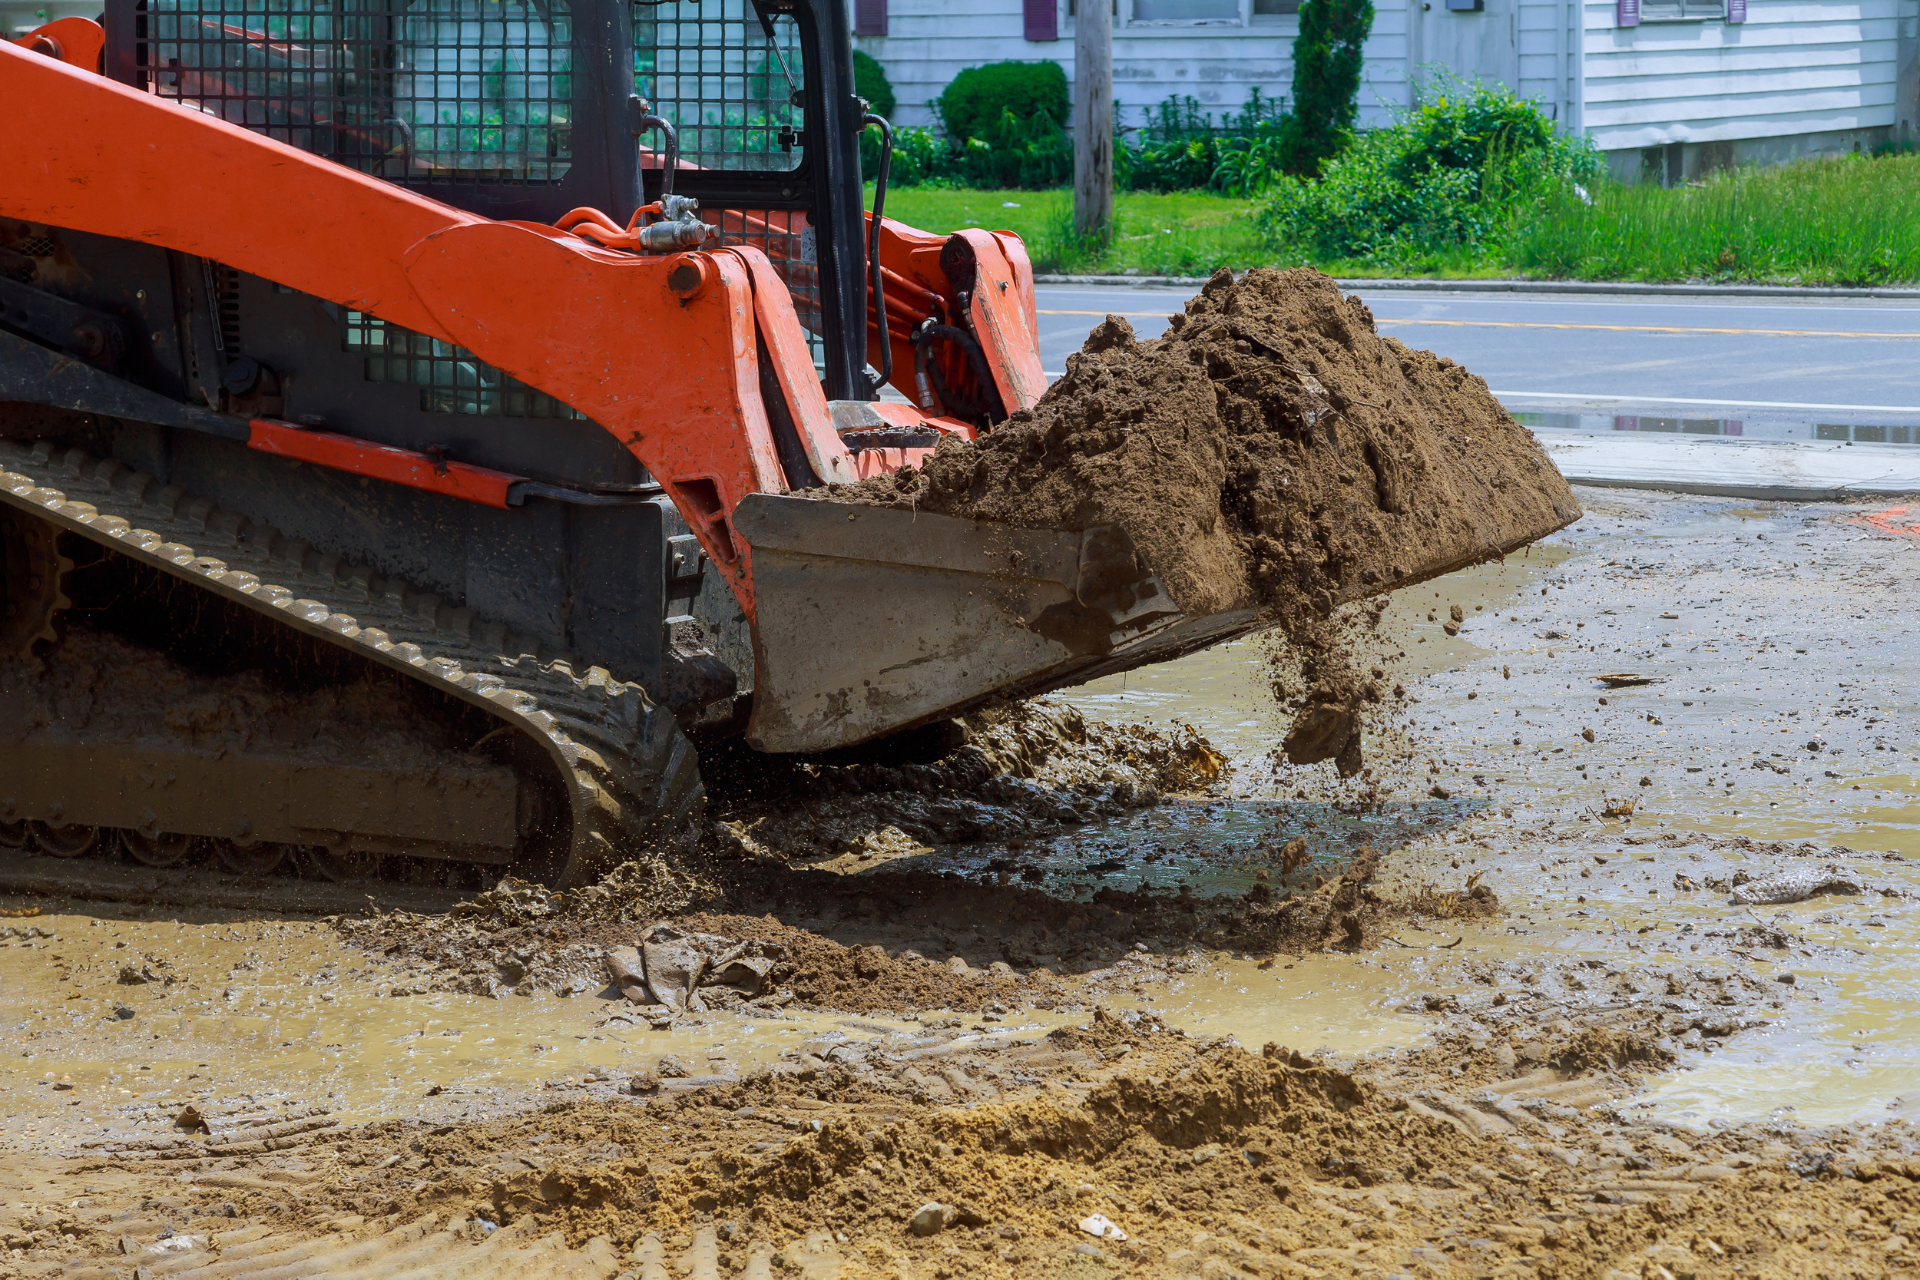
x,y
1774,470
1598,287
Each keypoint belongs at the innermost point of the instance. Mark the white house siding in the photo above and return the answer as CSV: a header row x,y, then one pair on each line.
x,y
928,42
1668,99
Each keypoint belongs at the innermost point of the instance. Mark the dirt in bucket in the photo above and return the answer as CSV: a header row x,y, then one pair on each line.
x,y
1272,451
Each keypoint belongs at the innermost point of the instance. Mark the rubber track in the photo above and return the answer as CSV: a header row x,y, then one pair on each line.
x,y
634,778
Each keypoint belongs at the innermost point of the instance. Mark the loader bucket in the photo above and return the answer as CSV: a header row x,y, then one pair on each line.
x,y
873,619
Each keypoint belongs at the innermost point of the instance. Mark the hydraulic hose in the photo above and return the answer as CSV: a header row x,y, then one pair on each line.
x,y
873,246
641,119
968,408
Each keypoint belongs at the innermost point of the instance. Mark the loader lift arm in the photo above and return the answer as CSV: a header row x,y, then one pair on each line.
x,y
662,350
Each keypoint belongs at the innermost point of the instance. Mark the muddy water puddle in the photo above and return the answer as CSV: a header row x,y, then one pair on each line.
x,y
1776,708
284,1010
1207,848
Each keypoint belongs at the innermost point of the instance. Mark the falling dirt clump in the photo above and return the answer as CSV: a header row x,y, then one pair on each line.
x,y
1271,452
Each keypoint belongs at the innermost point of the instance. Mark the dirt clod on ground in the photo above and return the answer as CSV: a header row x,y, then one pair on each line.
x,y
1272,451
1022,771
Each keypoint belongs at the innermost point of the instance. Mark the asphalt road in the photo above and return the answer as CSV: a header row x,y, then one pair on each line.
x,y
1813,369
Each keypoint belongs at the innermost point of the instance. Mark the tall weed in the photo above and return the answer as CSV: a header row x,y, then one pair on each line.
x,y
1843,221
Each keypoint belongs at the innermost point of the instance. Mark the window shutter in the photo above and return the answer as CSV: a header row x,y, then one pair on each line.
x,y
1626,13
1736,11
1042,19
869,17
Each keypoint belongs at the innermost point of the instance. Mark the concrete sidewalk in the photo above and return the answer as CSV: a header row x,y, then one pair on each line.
x,y
1778,470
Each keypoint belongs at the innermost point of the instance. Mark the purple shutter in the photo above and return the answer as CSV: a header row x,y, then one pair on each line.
x,y
1626,13
1736,10
869,17
1042,19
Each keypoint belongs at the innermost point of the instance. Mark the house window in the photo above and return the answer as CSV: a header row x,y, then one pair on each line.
x,y
1210,11
1682,10
1274,10
870,17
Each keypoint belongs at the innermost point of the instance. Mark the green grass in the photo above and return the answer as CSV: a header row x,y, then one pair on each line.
x,y
1180,234
1845,221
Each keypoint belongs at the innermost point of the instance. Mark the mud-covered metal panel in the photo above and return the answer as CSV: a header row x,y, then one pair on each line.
x,y
872,620
467,813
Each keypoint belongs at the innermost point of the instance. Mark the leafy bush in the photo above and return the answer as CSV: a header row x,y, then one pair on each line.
x,y
1181,148
1003,126
918,156
1461,128
870,82
982,100
1460,171
1034,154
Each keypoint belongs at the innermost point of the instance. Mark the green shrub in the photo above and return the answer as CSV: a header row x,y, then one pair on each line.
x,y
918,155
1326,80
1459,172
870,82
1182,147
1461,128
1032,154
981,100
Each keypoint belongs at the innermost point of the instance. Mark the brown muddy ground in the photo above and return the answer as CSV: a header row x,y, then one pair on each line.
x,y
1589,1069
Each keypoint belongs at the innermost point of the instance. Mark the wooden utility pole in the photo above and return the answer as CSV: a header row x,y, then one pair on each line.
x,y
1093,119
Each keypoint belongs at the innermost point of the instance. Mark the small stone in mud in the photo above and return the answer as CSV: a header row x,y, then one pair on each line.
x,y
1457,614
1646,782
643,1081
929,1220
1787,978
1439,792
672,1068
956,964
1587,734
1102,1227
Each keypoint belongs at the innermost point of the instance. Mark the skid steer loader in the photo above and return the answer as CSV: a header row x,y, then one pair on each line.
x,y
402,404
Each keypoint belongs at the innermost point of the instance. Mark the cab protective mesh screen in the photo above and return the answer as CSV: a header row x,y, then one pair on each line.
x,y
734,96
421,92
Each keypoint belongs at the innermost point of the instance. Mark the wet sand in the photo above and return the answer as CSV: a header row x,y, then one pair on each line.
x,y
1594,1068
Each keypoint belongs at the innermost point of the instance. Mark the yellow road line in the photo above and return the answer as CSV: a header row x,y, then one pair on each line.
x,y
1543,324
1654,328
